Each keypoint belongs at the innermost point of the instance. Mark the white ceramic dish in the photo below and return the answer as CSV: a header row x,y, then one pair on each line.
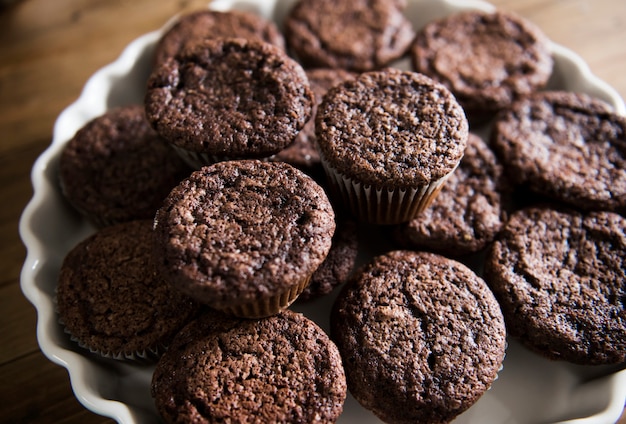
x,y
529,389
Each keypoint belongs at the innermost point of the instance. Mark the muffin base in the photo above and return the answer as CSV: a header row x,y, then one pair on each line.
x,y
267,307
149,355
382,205
196,160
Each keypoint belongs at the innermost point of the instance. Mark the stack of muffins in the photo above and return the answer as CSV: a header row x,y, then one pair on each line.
x,y
259,159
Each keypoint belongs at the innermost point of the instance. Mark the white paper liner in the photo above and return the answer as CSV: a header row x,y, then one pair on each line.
x,y
267,307
197,160
382,205
147,355
151,354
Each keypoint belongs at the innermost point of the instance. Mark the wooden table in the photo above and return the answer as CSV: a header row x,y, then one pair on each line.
x,y
47,52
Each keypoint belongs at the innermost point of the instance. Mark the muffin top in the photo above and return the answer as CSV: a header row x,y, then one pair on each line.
x,y
468,213
391,128
237,231
487,60
117,169
357,35
205,24
560,277
422,337
568,146
229,97
111,298
278,369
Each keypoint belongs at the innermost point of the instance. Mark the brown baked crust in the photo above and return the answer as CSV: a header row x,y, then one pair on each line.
x,y
568,146
391,128
117,169
232,98
560,279
279,369
302,153
422,337
204,24
487,59
111,299
239,231
468,213
339,262
357,35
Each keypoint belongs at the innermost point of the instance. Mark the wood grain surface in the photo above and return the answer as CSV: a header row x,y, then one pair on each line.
x,y
48,49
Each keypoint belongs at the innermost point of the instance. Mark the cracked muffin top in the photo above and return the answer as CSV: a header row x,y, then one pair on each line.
x,y
487,59
568,146
560,277
356,35
391,128
237,231
422,337
278,369
229,97
116,168
200,25
112,300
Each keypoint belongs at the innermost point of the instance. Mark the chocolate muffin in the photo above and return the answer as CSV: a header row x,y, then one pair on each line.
x,y
281,369
560,277
112,301
205,24
469,211
421,337
339,262
303,152
244,236
388,140
228,99
567,146
487,59
357,35
117,169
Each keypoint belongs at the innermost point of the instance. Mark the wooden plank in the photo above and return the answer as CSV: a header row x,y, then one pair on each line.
x,y
35,390
16,340
14,167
